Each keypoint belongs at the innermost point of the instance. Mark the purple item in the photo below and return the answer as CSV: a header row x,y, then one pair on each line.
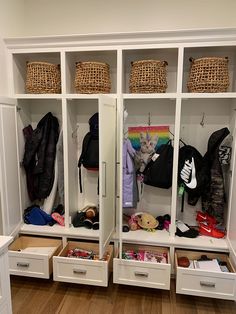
x,y
128,174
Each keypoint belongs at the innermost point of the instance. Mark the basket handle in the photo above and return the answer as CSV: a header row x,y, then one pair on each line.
x,y
78,63
191,59
227,59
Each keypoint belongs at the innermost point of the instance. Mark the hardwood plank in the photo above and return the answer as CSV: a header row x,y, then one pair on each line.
x,y
42,296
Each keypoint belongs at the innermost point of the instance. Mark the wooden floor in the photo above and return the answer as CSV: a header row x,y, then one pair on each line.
x,y
34,296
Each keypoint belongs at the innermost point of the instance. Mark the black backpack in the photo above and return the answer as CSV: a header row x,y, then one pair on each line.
x,y
192,173
89,157
158,171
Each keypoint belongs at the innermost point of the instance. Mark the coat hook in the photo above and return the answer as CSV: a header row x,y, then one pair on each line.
x,y
202,121
74,133
149,119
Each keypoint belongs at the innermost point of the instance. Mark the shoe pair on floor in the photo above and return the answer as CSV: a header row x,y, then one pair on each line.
x,y
207,225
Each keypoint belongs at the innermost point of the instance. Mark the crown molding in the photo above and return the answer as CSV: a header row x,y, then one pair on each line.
x,y
102,39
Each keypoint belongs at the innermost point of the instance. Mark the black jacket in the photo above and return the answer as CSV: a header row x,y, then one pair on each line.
x,y
39,156
213,198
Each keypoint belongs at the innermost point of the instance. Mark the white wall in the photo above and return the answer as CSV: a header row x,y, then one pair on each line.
x,y
11,24
19,18
53,17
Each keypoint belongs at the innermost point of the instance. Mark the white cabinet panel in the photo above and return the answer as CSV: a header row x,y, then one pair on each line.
x,y
9,181
107,170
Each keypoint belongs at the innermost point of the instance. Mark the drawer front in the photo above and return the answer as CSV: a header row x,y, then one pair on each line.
x,y
5,308
5,290
152,275
80,271
201,283
2,277
29,266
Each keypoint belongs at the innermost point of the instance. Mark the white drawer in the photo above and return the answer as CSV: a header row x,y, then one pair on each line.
x,y
143,274
82,271
205,283
5,307
32,257
5,290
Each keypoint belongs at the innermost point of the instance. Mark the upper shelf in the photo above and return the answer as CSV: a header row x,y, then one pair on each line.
x,y
119,60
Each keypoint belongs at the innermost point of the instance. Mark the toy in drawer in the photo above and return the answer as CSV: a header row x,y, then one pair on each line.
x,y
204,276
78,262
32,256
152,271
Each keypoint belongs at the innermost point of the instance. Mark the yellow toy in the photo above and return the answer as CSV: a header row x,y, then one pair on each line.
x,y
143,220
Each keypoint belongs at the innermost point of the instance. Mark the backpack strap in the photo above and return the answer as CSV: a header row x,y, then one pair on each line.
x,y
85,144
86,141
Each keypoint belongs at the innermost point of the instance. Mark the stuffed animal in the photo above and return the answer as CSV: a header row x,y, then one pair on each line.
x,y
147,221
148,144
142,220
133,223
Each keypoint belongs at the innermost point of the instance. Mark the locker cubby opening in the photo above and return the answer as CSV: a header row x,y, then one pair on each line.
x,y
199,119
109,57
30,112
19,61
159,112
199,52
166,54
78,114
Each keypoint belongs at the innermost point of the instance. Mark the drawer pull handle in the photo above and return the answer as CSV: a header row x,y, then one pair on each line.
x,y
140,274
22,264
207,284
79,271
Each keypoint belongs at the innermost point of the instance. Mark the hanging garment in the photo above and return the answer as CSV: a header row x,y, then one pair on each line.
x,y
130,192
213,197
39,156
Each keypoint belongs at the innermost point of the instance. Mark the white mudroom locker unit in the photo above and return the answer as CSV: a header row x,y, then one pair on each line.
x,y
191,117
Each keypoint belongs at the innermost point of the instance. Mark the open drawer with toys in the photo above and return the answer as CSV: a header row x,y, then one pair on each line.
x,y
79,262
145,266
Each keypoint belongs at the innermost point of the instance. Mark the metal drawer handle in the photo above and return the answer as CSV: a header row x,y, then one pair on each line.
x,y
140,274
79,271
22,264
207,284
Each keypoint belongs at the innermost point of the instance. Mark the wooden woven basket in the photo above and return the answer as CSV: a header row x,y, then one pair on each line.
x,y
208,75
43,78
148,76
92,78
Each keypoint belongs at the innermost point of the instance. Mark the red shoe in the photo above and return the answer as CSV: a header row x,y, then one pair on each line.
x,y
210,231
204,217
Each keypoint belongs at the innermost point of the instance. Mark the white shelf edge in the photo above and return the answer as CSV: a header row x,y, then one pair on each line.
x,y
88,96
173,96
148,96
140,237
60,231
201,243
208,95
61,96
38,96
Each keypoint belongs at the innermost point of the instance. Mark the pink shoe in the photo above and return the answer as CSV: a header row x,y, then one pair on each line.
x,y
59,219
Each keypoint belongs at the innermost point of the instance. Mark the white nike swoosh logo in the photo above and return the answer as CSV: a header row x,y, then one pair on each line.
x,y
206,229
193,183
